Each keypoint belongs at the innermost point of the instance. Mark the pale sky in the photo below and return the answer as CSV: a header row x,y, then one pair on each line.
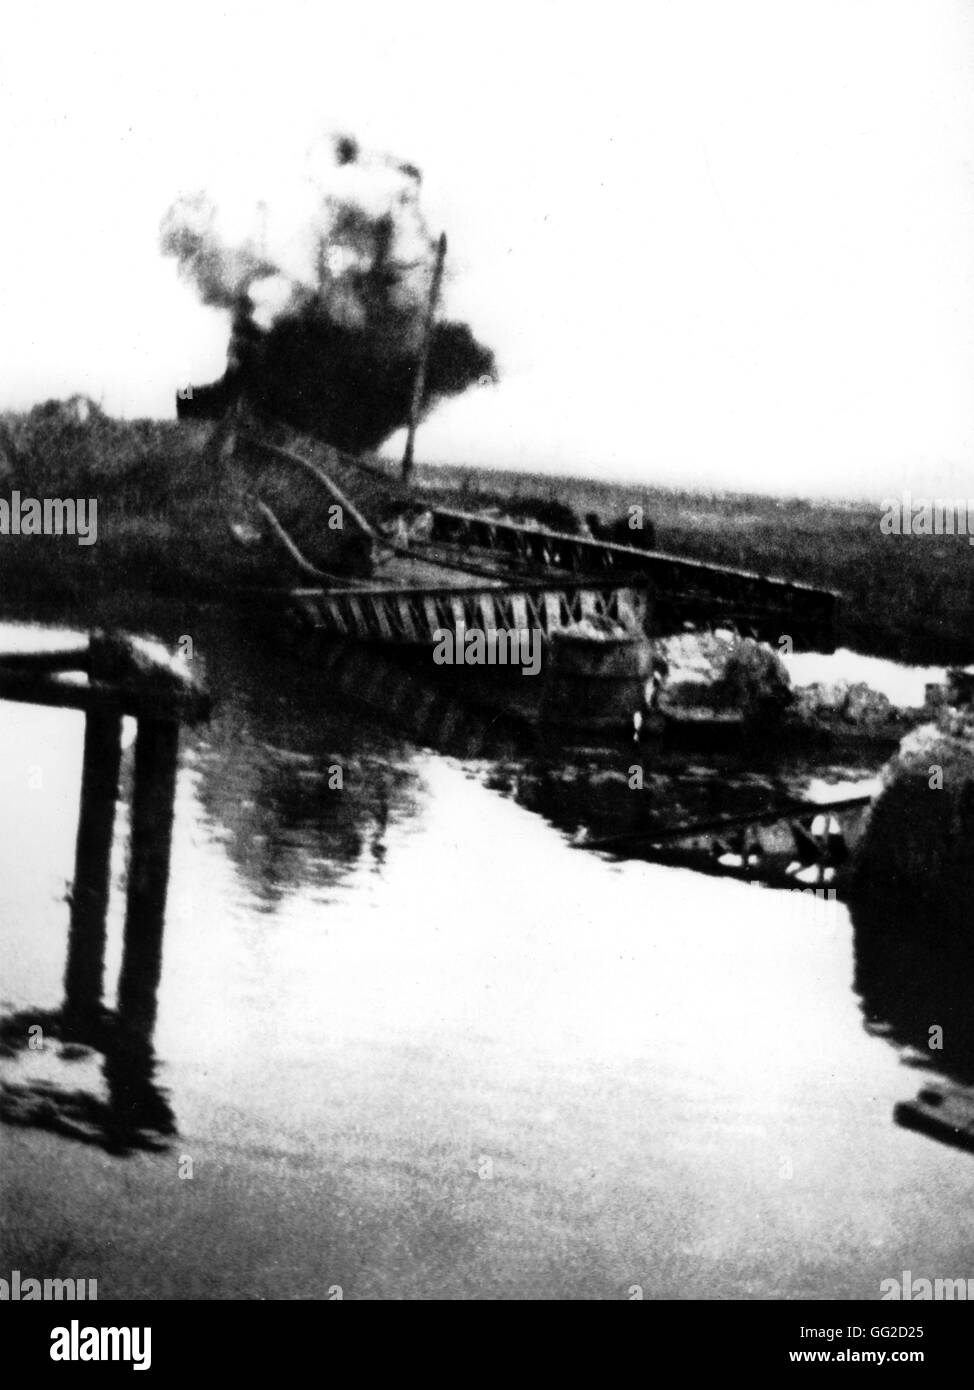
x,y
720,243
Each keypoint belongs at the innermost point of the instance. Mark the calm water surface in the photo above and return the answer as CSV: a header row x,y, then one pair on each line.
x,y
416,1042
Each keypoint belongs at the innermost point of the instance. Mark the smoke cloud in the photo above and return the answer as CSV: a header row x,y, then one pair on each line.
x,y
327,281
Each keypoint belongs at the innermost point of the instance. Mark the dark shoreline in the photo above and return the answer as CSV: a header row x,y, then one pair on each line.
x,y
163,530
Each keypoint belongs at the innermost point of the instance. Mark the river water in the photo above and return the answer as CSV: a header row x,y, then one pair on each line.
x,y
416,1038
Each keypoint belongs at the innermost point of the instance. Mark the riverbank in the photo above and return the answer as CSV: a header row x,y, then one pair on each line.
x,y
163,528
162,522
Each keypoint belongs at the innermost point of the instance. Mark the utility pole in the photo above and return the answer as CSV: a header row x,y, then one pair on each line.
x,y
424,352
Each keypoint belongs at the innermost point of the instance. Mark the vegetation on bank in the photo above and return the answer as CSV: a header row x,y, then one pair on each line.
x,y
161,514
163,528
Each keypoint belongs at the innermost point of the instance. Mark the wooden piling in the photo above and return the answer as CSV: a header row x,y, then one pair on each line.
x,y
85,969
153,797
110,676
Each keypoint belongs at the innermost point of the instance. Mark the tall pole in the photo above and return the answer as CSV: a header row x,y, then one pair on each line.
x,y
424,352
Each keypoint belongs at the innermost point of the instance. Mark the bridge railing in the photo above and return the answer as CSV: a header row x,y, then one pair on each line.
x,y
685,590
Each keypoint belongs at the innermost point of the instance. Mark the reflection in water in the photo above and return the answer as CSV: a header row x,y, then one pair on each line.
x,y
312,755
266,775
915,985
121,1110
368,987
910,903
310,758
269,762
912,982
302,784
623,795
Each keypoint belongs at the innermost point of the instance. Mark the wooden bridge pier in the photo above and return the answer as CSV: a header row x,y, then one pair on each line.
x,y
153,800
108,678
85,971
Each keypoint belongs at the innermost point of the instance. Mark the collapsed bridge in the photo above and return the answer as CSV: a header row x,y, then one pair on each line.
x,y
296,489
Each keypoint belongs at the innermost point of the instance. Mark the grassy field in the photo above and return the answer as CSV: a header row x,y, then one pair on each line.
x,y
162,527
910,598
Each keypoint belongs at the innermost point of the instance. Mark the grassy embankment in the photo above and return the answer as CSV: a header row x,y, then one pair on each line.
x,y
157,504
162,527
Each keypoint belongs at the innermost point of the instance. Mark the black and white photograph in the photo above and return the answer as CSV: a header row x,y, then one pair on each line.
x,y
487,664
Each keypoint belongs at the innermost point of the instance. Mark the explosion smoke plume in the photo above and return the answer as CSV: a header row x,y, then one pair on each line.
x,y
327,286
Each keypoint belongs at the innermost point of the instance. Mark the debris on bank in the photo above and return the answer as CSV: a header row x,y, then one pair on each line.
x,y
717,676
726,679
